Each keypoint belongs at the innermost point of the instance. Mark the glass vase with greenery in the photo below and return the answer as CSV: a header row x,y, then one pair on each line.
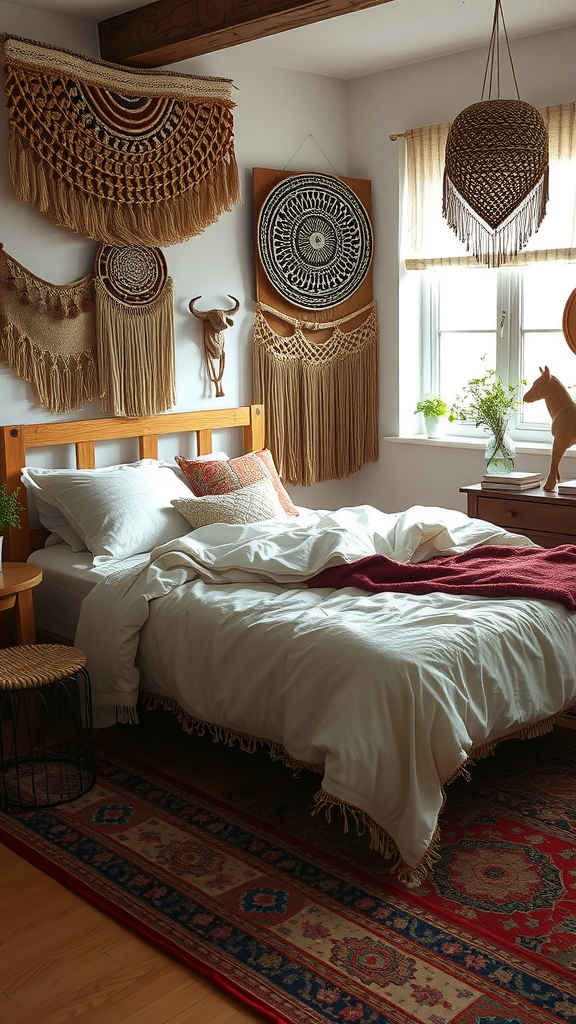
x,y
490,403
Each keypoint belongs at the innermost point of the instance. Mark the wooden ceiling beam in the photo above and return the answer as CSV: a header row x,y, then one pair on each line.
x,y
171,30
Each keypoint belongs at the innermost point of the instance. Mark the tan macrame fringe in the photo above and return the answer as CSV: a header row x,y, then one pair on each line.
x,y
90,174
47,336
135,345
494,247
321,399
166,222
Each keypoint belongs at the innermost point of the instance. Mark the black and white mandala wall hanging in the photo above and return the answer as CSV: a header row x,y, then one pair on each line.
x,y
314,240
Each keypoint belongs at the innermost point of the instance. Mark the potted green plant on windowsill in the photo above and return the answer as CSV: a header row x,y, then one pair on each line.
x,y
10,510
490,403
434,409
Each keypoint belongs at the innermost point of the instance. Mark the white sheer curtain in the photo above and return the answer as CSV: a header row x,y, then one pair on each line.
x,y
429,242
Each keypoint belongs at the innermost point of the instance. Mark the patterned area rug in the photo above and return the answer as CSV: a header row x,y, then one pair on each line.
x,y
308,926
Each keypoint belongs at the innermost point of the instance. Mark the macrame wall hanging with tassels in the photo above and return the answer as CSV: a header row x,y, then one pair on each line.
x,y
134,330
321,397
47,335
496,172
115,154
318,380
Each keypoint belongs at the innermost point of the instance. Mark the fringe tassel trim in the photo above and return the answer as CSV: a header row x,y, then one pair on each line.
x,y
528,732
230,737
380,840
493,246
136,360
110,714
163,222
60,383
321,399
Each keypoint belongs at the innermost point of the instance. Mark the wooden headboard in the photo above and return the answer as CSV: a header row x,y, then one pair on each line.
x,y
83,434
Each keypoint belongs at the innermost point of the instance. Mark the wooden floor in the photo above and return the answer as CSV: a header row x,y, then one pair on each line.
x,y
63,960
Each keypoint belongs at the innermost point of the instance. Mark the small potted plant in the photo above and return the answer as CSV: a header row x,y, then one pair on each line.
x,y
434,409
10,509
490,403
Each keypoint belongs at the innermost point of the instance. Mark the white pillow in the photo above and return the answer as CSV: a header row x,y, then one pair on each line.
x,y
50,515
249,504
116,511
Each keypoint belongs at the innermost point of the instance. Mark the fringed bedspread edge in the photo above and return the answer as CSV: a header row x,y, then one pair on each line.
x,y
380,840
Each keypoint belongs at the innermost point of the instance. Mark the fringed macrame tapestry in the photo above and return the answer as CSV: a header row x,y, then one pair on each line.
x,y
496,172
116,154
321,398
134,330
47,335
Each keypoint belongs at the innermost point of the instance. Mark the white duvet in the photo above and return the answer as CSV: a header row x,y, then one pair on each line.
x,y
390,693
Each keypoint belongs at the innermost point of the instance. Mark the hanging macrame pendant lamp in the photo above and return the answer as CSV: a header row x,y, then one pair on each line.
x,y
496,170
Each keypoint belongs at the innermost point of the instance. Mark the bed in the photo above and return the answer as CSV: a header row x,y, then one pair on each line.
x,y
387,696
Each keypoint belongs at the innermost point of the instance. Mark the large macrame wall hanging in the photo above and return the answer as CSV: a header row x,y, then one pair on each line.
x,y
496,171
47,335
321,397
317,379
118,155
134,330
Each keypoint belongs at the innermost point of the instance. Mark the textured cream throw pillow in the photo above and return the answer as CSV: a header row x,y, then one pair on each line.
x,y
248,504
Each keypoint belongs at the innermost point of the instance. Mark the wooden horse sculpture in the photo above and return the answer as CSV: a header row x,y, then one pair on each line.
x,y
215,323
562,409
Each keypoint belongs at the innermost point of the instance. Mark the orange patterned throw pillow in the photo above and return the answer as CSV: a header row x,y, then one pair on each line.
x,y
219,477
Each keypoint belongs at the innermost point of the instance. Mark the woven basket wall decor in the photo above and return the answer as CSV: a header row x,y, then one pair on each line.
x,y
496,171
48,336
120,155
134,330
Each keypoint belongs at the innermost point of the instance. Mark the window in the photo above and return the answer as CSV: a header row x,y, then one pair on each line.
x,y
509,320
470,318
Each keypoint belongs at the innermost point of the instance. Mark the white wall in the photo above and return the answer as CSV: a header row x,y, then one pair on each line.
x,y
276,111
430,92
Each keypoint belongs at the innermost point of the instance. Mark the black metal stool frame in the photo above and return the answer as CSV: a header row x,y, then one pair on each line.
x,y
46,751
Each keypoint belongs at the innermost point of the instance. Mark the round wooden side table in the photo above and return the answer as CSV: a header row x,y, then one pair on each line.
x,y
16,582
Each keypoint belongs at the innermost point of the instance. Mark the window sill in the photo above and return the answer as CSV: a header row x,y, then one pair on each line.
x,y
478,443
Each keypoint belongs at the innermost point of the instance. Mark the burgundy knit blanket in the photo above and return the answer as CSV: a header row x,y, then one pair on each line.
x,y
489,570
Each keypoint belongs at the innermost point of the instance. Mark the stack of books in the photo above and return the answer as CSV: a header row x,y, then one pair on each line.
x,y
567,487
515,481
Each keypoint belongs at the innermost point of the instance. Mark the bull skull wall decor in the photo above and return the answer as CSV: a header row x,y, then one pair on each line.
x,y
215,323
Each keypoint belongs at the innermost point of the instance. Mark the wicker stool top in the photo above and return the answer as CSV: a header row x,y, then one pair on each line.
x,y
36,664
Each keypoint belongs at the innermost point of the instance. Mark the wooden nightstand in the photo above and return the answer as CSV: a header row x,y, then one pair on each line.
x,y
16,582
545,516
